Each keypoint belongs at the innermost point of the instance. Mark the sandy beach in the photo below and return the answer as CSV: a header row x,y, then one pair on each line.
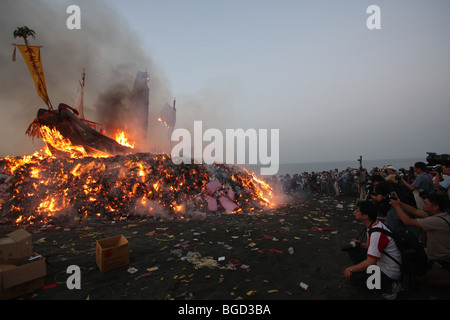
x,y
250,256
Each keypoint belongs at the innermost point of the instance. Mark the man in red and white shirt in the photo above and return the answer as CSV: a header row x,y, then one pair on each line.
x,y
379,250
383,248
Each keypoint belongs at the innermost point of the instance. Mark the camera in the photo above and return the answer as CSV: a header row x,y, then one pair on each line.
x,y
350,246
393,196
437,168
434,159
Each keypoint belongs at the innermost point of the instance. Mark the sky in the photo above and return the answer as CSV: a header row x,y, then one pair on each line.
x,y
335,89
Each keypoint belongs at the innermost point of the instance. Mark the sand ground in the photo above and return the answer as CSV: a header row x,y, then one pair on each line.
x,y
221,257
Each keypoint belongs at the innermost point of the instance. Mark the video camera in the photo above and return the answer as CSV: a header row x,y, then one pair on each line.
x,y
435,161
437,168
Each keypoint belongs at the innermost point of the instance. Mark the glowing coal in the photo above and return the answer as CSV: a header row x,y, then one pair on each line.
x,y
42,189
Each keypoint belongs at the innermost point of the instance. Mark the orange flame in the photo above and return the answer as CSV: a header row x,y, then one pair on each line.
x,y
57,141
121,139
163,122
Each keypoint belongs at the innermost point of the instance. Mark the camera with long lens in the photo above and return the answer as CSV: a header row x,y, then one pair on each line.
x,y
434,159
437,168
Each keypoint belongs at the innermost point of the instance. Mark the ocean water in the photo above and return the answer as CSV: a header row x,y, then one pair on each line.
x,y
293,168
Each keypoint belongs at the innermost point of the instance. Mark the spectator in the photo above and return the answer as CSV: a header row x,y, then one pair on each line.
x,y
378,246
324,182
361,178
422,185
383,188
443,184
334,178
380,194
346,182
390,174
436,222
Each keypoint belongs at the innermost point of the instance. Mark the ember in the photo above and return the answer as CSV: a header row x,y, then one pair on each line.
x,y
42,189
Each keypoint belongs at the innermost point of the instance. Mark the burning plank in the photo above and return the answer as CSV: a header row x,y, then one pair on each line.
x,y
67,135
50,190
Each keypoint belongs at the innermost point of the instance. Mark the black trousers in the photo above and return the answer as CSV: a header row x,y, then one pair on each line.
x,y
360,278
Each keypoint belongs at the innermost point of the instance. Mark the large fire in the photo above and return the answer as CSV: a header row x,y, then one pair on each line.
x,y
47,189
55,139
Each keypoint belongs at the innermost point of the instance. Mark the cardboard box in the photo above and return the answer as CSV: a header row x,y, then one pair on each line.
x,y
22,277
112,253
16,246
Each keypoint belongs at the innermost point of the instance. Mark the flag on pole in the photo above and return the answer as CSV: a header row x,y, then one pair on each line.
x,y
32,57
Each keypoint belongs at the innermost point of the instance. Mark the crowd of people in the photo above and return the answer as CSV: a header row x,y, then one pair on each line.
x,y
349,182
333,182
359,181
390,202
414,207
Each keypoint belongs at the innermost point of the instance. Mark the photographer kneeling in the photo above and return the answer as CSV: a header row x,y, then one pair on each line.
x,y
379,250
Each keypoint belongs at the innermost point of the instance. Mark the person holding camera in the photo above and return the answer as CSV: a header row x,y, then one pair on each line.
x,y
391,175
382,190
441,183
435,221
379,250
423,183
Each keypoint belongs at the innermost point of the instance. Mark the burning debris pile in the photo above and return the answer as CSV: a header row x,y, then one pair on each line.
x,y
90,176
41,189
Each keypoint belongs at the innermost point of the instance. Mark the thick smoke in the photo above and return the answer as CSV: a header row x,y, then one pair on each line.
x,y
106,47
113,103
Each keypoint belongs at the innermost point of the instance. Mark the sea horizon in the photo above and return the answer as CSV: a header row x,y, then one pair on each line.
x,y
318,166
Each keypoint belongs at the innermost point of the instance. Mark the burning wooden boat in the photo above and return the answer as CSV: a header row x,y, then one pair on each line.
x,y
65,131
66,134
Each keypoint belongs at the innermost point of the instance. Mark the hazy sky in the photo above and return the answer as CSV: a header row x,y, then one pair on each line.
x,y
310,68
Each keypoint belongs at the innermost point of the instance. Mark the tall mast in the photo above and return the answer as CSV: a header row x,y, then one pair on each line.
x,y
83,81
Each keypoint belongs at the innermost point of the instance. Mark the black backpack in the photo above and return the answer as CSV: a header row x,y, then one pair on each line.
x,y
414,258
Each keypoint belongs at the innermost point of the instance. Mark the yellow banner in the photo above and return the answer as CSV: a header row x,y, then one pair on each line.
x,y
32,57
